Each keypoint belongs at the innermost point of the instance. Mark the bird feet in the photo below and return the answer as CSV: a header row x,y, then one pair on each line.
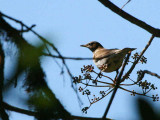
x,y
103,67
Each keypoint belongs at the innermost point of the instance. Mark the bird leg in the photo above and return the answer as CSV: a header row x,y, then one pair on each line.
x,y
117,72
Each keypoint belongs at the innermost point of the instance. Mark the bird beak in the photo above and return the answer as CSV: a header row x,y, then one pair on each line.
x,y
83,45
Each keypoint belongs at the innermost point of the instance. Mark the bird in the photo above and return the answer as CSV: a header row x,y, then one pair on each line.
x,y
107,60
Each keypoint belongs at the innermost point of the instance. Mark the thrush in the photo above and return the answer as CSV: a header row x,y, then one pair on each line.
x,y
108,60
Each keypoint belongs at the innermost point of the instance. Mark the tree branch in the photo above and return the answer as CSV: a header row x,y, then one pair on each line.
x,y
151,73
135,62
130,18
41,38
19,110
32,113
147,72
118,80
126,4
134,92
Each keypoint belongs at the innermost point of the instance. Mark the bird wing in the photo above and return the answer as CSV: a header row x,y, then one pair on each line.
x,y
105,53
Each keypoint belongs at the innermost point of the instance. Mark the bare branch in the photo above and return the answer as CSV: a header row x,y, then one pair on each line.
x,y
118,80
19,110
101,82
70,58
130,18
135,62
125,4
134,92
32,113
151,73
103,96
45,42
41,38
104,76
96,85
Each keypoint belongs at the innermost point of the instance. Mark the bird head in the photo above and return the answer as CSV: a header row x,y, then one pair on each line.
x,y
92,45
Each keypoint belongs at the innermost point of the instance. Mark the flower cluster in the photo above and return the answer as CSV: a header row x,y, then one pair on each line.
x,y
140,74
155,97
77,79
142,59
135,56
133,93
84,110
146,85
102,93
88,80
86,92
88,68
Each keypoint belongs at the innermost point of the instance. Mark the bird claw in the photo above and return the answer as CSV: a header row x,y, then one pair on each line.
x,y
103,67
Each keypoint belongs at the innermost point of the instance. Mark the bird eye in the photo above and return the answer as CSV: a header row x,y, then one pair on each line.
x,y
90,44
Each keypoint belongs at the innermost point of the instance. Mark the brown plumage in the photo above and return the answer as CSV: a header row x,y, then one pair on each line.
x,y
110,59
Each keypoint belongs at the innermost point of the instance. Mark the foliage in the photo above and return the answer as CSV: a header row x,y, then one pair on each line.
x,y
42,101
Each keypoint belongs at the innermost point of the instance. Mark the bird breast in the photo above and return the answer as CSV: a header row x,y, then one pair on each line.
x,y
111,63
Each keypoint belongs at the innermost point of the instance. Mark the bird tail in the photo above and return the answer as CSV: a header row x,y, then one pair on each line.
x,y
128,50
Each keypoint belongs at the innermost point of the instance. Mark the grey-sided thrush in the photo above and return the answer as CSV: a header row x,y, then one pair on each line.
x,y
108,59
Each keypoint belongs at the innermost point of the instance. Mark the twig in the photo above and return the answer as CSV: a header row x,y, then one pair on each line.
x,y
89,99
135,62
102,82
85,84
41,38
144,94
19,110
125,4
53,47
103,97
70,58
28,29
97,77
127,84
104,76
130,18
96,85
151,73
96,100
31,113
49,53
131,79
149,90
